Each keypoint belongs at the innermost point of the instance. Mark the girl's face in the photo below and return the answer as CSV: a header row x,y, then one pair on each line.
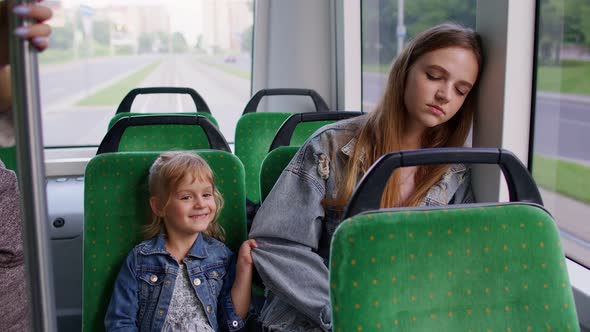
x,y
191,208
437,85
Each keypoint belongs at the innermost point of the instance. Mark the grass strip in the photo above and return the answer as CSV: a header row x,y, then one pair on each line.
x,y
565,177
113,94
227,69
571,76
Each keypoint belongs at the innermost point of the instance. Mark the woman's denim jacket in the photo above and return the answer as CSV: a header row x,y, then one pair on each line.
x,y
293,230
143,289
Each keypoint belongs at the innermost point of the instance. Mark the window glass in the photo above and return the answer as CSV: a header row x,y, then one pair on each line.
x,y
561,153
389,24
101,49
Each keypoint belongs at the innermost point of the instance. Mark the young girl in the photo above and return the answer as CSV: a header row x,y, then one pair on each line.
x,y
182,278
428,103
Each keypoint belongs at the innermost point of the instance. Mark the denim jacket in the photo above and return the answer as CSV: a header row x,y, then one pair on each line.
x,y
143,289
293,230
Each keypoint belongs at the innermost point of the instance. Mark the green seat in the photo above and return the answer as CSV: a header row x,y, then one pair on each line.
x,y
118,116
478,267
272,166
8,157
116,207
162,133
255,132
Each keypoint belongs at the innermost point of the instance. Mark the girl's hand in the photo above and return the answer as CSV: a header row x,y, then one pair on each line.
x,y
37,32
245,253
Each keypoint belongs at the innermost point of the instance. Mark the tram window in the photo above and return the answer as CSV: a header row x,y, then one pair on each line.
x,y
383,33
561,154
99,50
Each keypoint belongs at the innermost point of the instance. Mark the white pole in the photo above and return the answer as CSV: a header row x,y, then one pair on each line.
x,y
401,28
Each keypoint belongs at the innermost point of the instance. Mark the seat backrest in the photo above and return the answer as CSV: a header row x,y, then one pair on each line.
x,y
118,116
272,166
298,127
162,133
116,207
255,132
493,266
8,157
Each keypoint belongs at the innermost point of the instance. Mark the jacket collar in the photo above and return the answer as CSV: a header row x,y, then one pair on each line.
x,y
157,245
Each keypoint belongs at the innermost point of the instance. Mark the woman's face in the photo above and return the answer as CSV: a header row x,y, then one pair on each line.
x,y
437,85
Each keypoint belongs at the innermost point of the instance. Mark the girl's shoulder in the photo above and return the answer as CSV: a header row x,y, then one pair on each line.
x,y
154,245
212,243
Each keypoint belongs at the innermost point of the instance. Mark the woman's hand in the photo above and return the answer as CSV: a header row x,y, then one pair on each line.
x,y
37,32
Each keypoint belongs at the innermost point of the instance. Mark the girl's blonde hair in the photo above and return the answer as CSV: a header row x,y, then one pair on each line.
x,y
166,174
382,131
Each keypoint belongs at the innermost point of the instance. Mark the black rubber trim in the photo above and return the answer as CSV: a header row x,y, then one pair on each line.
x,y
284,134
367,196
200,104
318,101
110,143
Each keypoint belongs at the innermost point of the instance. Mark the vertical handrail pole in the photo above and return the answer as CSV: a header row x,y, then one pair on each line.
x,y
31,171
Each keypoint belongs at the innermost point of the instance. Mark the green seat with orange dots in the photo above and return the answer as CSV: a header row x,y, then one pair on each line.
x,y
255,132
163,133
468,267
118,116
116,207
272,166
160,137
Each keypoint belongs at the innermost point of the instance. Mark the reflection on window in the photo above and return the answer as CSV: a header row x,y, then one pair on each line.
x,y
561,159
99,50
382,32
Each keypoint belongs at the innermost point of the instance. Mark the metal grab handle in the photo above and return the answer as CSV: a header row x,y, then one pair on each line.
x,y
284,134
200,104
110,143
318,101
31,170
367,195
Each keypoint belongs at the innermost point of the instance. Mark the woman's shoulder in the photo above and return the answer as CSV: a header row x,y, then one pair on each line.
x,y
334,135
348,126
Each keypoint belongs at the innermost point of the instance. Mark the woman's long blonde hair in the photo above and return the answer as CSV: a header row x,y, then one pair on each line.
x,y
166,174
382,131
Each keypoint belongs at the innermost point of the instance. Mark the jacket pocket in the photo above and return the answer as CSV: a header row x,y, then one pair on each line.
x,y
150,288
215,276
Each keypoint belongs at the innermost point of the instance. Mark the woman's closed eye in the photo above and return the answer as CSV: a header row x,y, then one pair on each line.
x,y
186,197
433,77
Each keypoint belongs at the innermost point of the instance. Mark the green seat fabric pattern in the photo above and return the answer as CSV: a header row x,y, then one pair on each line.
x,y
493,268
163,138
125,114
272,167
116,207
8,157
254,135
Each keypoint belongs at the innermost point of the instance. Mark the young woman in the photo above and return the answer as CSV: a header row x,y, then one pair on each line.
x,y
183,278
428,103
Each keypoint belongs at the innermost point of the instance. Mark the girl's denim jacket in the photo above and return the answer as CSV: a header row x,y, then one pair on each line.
x,y
143,289
293,230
